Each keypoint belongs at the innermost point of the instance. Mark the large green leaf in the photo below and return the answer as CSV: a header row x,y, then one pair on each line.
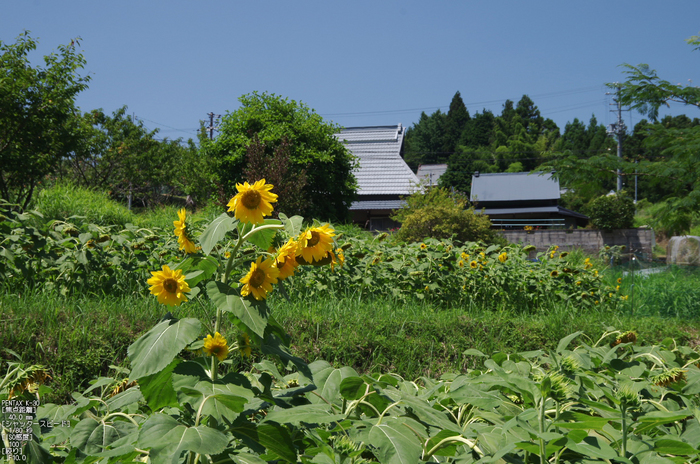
x,y
292,225
274,346
263,238
156,349
594,447
251,313
394,442
564,342
327,380
167,439
157,388
321,413
216,231
221,399
275,438
675,447
91,436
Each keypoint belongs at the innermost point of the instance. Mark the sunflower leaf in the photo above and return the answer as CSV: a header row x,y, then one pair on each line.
x,y
263,238
216,231
156,349
252,314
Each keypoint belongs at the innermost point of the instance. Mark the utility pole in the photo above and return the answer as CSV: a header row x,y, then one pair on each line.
x,y
211,127
619,129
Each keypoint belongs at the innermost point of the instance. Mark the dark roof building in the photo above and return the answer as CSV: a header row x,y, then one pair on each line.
x,y
382,177
516,200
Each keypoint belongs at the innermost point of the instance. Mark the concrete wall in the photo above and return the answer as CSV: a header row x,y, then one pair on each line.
x,y
591,241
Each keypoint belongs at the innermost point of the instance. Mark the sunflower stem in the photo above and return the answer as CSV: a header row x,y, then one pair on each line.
x,y
266,226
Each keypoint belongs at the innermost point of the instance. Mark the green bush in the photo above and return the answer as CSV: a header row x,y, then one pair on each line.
x,y
438,213
610,212
64,200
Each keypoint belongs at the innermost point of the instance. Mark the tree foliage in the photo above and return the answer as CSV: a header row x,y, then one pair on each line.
x,y
312,146
119,154
610,212
437,213
37,114
665,155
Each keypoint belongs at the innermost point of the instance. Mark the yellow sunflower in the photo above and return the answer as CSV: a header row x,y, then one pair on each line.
x,y
244,346
554,273
315,243
473,264
285,260
503,257
216,346
182,233
423,246
337,258
252,202
169,286
260,278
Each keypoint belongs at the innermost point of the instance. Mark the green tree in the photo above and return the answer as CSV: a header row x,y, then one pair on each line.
x,y
678,148
119,154
330,185
37,115
438,213
424,140
610,212
455,122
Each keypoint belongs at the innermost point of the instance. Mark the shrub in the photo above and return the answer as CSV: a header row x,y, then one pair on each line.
x,y
440,214
610,212
64,200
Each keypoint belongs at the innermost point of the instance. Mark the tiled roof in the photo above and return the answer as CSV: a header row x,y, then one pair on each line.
x,y
430,173
388,205
531,210
515,186
382,171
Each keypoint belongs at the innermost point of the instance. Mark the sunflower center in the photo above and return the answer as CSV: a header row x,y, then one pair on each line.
x,y
257,278
216,350
251,199
170,285
313,241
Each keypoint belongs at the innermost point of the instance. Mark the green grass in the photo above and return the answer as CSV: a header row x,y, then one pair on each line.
x,y
63,200
79,338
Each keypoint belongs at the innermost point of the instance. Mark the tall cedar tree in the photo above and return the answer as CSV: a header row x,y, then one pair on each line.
x,y
455,122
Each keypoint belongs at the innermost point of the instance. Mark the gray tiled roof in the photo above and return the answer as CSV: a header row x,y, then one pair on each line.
x,y
382,171
515,186
430,173
531,210
378,205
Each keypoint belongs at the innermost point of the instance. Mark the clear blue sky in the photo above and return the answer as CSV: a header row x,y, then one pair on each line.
x,y
359,62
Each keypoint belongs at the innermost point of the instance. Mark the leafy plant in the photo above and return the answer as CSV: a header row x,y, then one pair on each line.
x,y
610,212
438,213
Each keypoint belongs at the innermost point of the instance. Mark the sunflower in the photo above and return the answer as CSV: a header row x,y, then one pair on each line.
x,y
183,234
503,257
252,202
423,246
315,243
260,278
473,264
461,263
285,260
244,346
337,258
554,273
216,346
169,286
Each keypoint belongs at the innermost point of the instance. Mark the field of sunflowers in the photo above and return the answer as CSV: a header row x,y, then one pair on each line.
x,y
221,383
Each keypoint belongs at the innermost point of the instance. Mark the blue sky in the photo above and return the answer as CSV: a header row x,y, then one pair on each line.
x,y
361,63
